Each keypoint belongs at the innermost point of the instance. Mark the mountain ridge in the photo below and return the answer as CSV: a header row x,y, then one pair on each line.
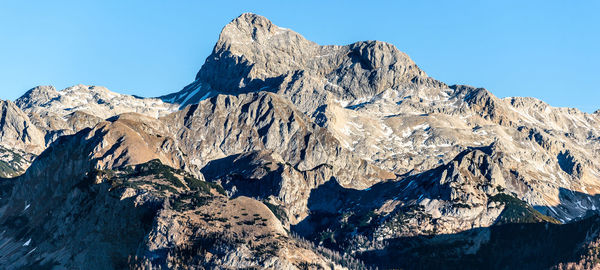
x,y
323,154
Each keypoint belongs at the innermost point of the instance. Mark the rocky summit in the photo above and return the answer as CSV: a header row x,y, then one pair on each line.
x,y
286,154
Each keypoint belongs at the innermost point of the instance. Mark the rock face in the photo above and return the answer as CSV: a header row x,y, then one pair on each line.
x,y
20,140
227,125
17,131
286,154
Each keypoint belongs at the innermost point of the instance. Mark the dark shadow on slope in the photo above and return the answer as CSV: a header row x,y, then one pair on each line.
x,y
566,162
518,211
572,203
12,163
6,187
521,238
119,230
247,174
333,208
222,70
337,212
509,246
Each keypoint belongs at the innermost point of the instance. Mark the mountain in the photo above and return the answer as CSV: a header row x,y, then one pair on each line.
x,y
69,110
95,100
43,114
286,154
378,104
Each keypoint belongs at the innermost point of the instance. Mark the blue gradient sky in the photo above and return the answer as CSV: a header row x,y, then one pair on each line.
x,y
545,49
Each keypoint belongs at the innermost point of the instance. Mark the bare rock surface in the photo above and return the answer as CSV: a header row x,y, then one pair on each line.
x,y
17,131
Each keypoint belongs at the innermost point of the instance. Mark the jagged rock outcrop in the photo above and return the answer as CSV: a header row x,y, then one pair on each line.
x,y
46,206
265,175
303,154
17,131
20,140
487,105
229,125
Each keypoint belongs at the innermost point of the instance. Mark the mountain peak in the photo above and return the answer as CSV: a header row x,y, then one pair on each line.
x,y
41,93
41,89
378,54
252,19
253,54
249,29
250,24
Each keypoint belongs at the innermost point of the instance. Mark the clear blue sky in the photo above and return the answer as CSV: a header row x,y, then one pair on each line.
x,y
545,49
